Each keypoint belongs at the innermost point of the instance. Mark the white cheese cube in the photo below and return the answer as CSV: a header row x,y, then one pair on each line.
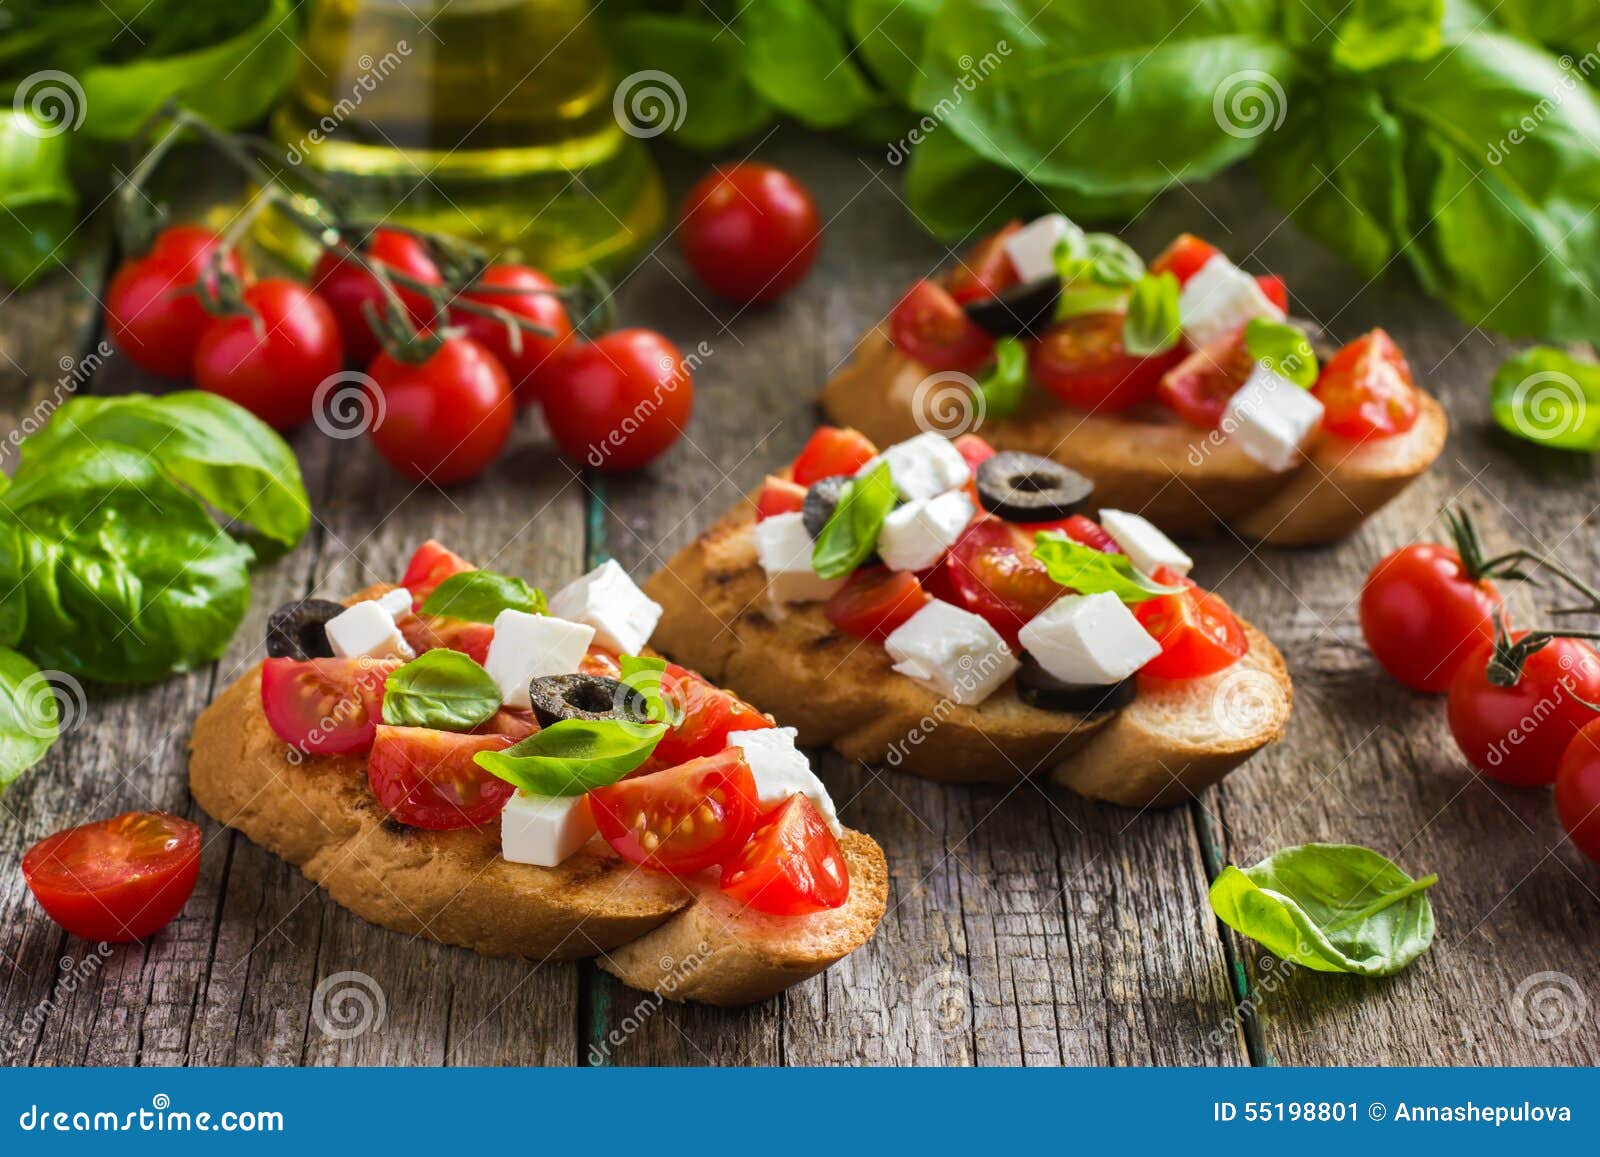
x,y
622,615
781,769
951,651
397,602
1270,418
367,628
916,535
544,829
526,647
922,467
1032,249
1219,299
1088,639
1144,544
784,547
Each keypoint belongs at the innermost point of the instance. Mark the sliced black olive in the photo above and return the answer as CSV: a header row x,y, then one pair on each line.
x,y
299,630
1038,688
1322,343
588,697
1021,487
821,501
1018,310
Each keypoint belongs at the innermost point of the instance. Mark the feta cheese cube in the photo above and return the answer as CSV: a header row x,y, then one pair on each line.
x,y
951,651
622,615
922,467
780,769
916,535
1270,418
1219,299
367,628
784,546
526,647
544,829
397,602
1143,542
1032,249
1088,639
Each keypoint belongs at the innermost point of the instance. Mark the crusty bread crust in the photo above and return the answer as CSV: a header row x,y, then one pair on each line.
x,y
1173,741
1184,480
686,942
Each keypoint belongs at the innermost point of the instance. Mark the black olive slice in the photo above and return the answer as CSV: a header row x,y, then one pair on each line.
x,y
821,501
588,697
298,630
1024,310
1038,688
1021,487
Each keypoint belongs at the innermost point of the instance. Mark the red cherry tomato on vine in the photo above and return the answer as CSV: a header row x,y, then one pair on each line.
x,y
620,401
119,879
151,309
271,363
750,231
528,366
1578,790
930,328
1422,615
1518,734
1082,361
347,288
446,419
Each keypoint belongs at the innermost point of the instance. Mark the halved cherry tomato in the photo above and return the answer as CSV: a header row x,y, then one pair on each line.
x,y
1578,790
1518,734
430,566
1366,390
427,779
993,573
707,714
1197,389
1276,290
930,327
680,819
976,451
1423,615
1198,634
791,865
1083,362
831,450
1184,257
986,269
431,632
779,496
325,706
119,879
874,601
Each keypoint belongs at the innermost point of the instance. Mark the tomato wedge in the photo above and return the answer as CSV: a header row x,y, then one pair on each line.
x,y
930,327
1083,362
680,819
430,566
118,879
993,573
831,450
1184,257
430,632
707,715
427,779
1275,289
1198,634
792,865
779,496
986,269
875,601
1079,528
1197,389
325,706
1366,390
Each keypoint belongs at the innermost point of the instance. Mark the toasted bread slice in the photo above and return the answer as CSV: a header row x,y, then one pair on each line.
x,y
685,941
1186,481
1175,739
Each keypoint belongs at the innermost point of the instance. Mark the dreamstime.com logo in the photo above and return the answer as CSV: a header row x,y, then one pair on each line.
x,y
674,972
974,71
373,73
975,672
942,1001
1244,702
50,703
347,404
675,374
159,1117
1548,405
1248,103
49,103
1576,75
346,1005
948,403
649,103
1548,1005
75,373
72,975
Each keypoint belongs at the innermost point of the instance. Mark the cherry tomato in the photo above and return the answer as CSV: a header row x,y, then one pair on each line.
x,y
119,879
1578,790
530,361
621,401
930,328
993,572
429,566
444,420
1184,257
430,632
874,601
791,865
750,231
1366,390
1198,634
152,311
779,496
976,452
325,706
831,450
1422,615
706,716
1082,362
1517,734
511,722
347,288
1197,389
271,363
680,819
986,269
427,779
1275,289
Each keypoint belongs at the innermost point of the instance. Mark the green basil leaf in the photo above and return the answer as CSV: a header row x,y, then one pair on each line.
x,y
1549,397
38,204
1005,383
851,533
687,77
1091,572
30,715
1361,35
1099,259
1283,349
572,756
479,595
1152,324
888,35
799,60
1569,26
1330,907
644,674
442,689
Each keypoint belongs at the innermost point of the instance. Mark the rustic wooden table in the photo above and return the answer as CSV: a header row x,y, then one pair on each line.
x,y
1025,926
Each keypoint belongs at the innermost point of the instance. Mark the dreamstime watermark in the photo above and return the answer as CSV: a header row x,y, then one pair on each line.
x,y
1548,405
347,404
75,373
1575,77
1238,412
347,1004
354,705
1244,702
48,103
1272,974
1520,732
1548,1005
975,672
675,373
649,103
1248,103
942,1000
674,973
373,73
948,403
72,975
974,71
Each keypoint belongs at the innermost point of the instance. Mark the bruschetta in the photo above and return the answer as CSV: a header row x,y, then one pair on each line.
x,y
455,758
1183,390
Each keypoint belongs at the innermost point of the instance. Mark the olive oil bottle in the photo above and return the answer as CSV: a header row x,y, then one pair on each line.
x,y
488,119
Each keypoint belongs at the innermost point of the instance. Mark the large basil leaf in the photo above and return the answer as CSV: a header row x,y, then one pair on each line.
x,y
480,595
573,756
889,35
713,105
30,716
1571,26
442,689
799,60
38,205
1550,398
851,532
1366,34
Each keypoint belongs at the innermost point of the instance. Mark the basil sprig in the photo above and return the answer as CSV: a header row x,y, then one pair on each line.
x,y
573,756
480,595
1152,324
1283,349
1005,383
1097,271
442,689
851,532
1092,572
